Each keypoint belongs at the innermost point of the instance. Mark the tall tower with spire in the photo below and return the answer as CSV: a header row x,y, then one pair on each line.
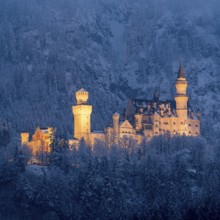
x,y
181,97
82,115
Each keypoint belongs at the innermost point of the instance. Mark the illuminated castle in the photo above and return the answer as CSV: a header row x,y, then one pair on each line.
x,y
142,118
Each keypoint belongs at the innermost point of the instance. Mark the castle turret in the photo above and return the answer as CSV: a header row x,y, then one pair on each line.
x,y
82,115
115,118
138,121
24,138
181,96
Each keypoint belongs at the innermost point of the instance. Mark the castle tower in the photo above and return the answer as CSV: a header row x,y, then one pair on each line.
x,y
138,121
82,115
24,138
181,97
156,123
115,118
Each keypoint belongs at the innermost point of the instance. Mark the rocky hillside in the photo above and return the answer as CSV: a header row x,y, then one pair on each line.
x,y
115,49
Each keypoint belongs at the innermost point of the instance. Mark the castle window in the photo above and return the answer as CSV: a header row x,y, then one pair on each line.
x,y
197,126
181,123
189,125
174,122
166,123
148,127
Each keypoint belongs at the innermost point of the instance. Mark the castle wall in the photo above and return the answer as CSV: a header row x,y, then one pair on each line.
x,y
96,136
193,127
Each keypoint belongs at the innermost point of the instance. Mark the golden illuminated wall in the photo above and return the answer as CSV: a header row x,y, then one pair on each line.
x,y
156,124
138,121
181,86
39,147
40,141
193,127
82,121
24,138
82,116
181,99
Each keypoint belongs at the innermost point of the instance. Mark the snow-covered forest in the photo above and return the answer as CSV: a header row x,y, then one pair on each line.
x,y
166,178
116,50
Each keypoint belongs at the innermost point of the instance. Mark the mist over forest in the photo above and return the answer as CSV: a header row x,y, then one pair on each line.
x,y
116,50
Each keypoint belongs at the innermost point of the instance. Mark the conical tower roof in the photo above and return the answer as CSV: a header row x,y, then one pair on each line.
x,y
181,73
116,113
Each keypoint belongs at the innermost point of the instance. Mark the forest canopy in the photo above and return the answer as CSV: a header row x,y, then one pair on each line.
x,y
165,178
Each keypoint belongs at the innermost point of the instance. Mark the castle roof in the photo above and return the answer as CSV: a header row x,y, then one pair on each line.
x,y
181,73
163,108
116,114
125,124
82,90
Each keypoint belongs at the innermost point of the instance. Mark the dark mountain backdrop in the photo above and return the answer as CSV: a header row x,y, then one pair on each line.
x,y
114,49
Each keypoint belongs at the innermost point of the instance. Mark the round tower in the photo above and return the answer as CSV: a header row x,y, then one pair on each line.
x,y
181,97
82,115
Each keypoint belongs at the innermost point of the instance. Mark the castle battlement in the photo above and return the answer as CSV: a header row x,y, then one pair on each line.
x,y
82,109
